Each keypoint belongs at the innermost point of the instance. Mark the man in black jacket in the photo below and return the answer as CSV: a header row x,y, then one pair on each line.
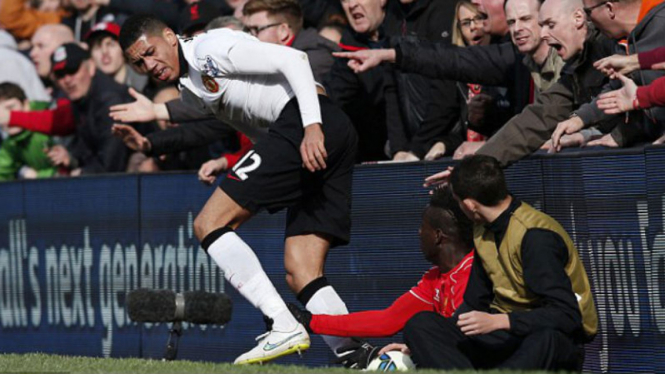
x,y
95,149
385,104
419,109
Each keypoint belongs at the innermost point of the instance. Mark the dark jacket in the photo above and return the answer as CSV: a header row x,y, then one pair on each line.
x,y
579,83
166,10
317,12
319,51
419,108
189,145
497,64
442,120
425,19
645,124
361,96
193,139
385,104
198,138
95,149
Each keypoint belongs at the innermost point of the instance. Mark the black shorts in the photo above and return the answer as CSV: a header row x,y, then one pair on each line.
x,y
271,176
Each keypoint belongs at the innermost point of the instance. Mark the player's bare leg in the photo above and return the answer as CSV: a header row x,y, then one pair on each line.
x,y
219,211
304,259
214,227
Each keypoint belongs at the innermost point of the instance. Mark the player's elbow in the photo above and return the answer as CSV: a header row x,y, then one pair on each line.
x,y
297,60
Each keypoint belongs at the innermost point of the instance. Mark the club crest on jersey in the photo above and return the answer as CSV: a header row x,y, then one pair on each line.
x,y
210,84
210,67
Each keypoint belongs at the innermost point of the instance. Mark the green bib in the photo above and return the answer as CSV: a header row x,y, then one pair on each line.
x,y
504,266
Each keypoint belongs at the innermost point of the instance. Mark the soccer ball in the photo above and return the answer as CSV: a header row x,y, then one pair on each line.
x,y
391,361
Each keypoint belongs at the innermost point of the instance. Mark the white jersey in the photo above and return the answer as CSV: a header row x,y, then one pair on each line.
x,y
247,83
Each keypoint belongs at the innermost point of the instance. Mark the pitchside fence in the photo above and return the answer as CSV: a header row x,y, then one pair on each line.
x,y
71,249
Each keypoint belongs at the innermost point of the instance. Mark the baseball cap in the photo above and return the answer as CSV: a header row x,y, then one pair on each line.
x,y
196,16
67,59
102,29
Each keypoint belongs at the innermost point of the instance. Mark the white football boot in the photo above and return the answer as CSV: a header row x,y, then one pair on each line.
x,y
274,344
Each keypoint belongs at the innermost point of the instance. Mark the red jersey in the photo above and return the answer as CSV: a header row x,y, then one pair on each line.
x,y
441,293
444,292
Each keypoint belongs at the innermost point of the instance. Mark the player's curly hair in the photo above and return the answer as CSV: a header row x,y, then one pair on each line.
x,y
443,210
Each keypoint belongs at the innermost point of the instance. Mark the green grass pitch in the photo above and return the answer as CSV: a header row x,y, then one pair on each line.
x,y
45,363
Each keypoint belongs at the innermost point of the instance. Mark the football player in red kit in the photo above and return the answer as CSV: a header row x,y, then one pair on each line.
x,y
446,240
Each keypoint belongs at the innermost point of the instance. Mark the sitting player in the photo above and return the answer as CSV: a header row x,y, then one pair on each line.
x,y
528,303
446,240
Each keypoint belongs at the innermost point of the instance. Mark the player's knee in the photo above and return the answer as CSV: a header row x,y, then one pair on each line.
x,y
297,277
291,282
421,323
418,321
544,337
201,229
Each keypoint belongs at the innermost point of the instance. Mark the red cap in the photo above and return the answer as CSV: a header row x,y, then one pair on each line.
x,y
109,28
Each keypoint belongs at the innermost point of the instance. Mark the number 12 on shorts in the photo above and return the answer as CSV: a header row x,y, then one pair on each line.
x,y
241,170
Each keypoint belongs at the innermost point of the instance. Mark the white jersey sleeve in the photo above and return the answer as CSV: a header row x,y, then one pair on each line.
x,y
241,54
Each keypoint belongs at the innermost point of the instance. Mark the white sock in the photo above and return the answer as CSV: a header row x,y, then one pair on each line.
x,y
327,301
243,271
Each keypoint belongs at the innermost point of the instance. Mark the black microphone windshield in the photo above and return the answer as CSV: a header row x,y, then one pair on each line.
x,y
200,307
207,308
144,305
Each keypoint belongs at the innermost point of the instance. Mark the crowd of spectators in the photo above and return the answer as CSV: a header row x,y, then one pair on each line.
x,y
419,79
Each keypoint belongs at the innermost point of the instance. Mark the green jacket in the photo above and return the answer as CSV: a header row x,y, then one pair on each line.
x,y
503,266
25,149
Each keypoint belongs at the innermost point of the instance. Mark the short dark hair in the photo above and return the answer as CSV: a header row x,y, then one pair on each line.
x,y
95,41
290,10
480,178
138,25
10,90
443,210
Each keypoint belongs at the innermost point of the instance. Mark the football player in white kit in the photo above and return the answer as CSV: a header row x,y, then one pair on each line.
x,y
302,160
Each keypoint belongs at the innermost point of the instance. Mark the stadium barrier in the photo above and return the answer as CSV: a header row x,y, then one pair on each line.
x,y
71,249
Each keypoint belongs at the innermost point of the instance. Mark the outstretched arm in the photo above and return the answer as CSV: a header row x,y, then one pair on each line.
x,y
625,65
491,65
141,110
361,61
57,121
621,100
375,323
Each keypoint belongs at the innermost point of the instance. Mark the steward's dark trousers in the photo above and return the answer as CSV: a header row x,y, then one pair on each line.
x,y
436,342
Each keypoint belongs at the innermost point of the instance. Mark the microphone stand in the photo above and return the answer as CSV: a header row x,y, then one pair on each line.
x,y
172,345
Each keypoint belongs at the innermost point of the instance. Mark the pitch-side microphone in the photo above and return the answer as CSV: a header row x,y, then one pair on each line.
x,y
146,305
